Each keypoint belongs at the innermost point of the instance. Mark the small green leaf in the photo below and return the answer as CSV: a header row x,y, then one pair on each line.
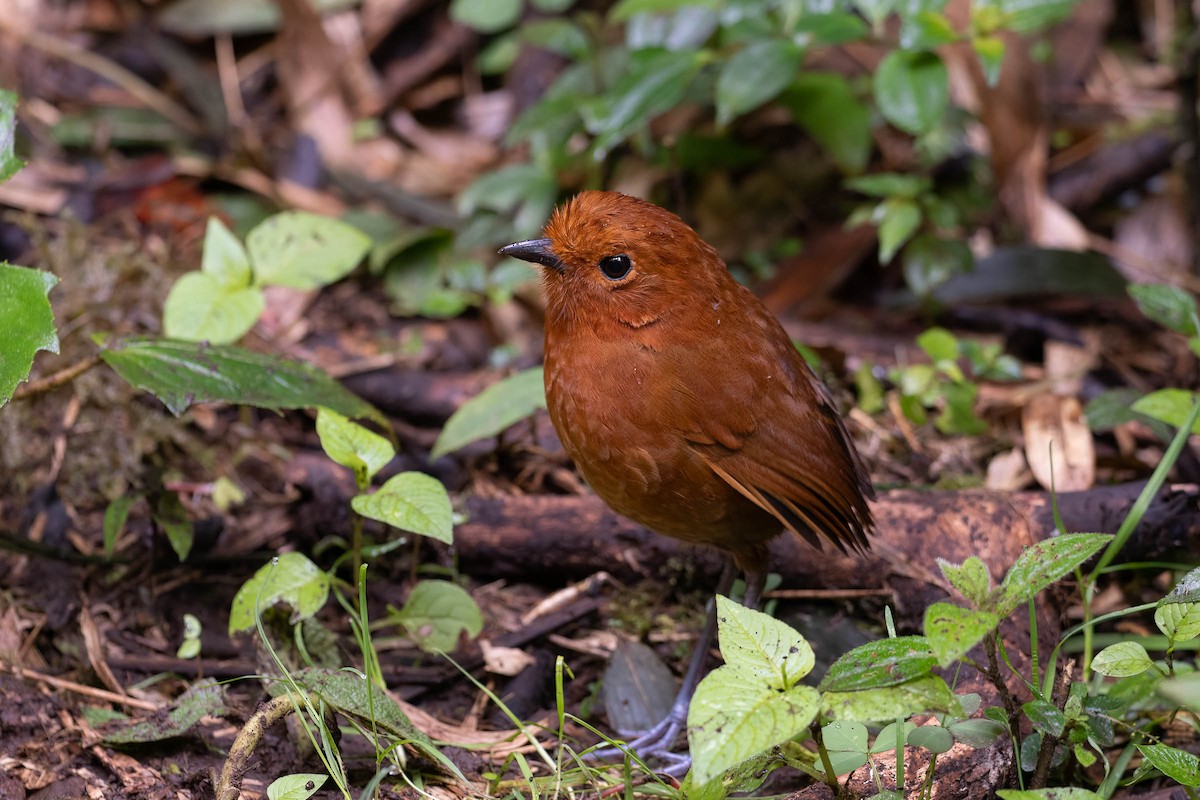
x,y
971,578
1046,717
1178,765
885,740
912,90
289,578
303,250
437,613
1042,564
1178,621
351,445
172,519
930,261
201,309
1169,306
886,662
413,502
492,411
1122,659
114,521
732,718
758,645
826,106
952,631
939,344
890,184
755,74
845,735
625,9
28,323
1187,590
1172,406
349,693
900,220
977,733
486,16
990,50
933,738
1063,793
300,786
926,694
9,163
181,374
224,258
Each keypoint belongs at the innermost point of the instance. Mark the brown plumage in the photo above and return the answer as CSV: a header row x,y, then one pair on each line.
x,y
680,398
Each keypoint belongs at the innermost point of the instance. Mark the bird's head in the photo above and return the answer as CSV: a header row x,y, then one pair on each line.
x,y
609,256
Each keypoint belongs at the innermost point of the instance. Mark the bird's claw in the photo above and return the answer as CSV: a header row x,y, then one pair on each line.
x,y
654,743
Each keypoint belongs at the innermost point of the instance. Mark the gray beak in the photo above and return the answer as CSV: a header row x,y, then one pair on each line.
x,y
535,251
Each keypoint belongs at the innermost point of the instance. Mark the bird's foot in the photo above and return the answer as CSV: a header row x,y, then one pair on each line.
x,y
655,743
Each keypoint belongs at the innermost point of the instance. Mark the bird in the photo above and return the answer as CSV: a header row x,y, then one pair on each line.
x,y
683,402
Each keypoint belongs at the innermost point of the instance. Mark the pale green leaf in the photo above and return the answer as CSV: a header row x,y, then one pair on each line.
x,y
758,645
912,90
1042,564
1169,306
952,631
303,250
885,662
486,16
9,163
755,74
900,220
224,257
300,786
413,502
1122,659
1178,621
1178,765
971,578
1062,793
352,445
437,613
200,308
289,578
926,694
1172,406
492,411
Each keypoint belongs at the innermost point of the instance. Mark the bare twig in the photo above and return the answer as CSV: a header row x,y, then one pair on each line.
x,y
52,382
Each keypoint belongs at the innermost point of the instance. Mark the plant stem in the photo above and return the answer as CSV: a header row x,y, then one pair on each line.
x,y
228,785
830,778
1041,769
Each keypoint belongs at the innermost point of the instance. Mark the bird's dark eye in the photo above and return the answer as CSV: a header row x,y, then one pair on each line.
x,y
615,267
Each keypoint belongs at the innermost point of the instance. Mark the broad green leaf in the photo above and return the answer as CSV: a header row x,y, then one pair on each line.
x,y
977,733
952,631
755,74
845,735
1063,793
1046,717
492,411
486,16
900,219
1178,621
303,250
114,521
930,261
300,786
1172,406
289,578
205,699
926,694
352,445
413,502
1122,659
761,647
200,308
1169,306
971,578
348,692
732,718
1178,765
912,90
9,163
1187,590
28,323
826,106
224,257
184,373
437,613
886,662
933,738
1042,564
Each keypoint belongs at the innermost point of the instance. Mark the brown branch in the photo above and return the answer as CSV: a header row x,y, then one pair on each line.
x,y
52,382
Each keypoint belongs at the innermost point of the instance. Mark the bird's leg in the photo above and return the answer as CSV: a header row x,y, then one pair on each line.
x,y
657,741
756,579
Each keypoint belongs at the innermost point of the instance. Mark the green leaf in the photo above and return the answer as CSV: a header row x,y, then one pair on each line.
x,y
952,631
437,613
413,502
114,521
890,184
625,9
351,445
1063,793
826,106
886,662
486,16
977,733
348,693
1169,306
833,28
755,74
1178,765
1046,717
732,718
933,738
9,163
492,411
28,323
885,740
184,373
205,699
300,786
1178,621
303,250
1042,564
901,218
990,50
926,694
1187,590
1183,691
939,344
1122,659
1172,406
912,90
562,36
971,578
761,647
224,258
845,735
289,578
200,308
930,261
171,517
958,414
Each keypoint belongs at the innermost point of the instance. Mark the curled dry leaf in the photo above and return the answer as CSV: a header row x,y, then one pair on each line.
x,y
1056,432
1008,471
507,661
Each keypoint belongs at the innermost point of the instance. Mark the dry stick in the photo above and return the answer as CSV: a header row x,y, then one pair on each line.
x,y
78,688
229,784
52,382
